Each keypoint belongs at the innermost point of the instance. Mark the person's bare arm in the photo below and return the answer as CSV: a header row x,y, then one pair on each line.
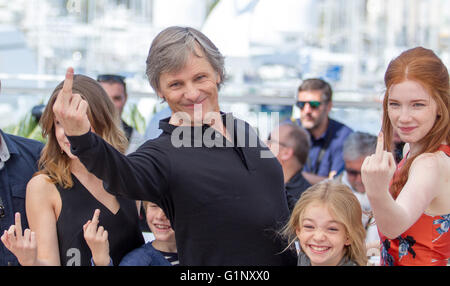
x,y
40,198
394,217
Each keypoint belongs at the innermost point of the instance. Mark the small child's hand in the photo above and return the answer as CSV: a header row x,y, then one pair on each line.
x,y
97,240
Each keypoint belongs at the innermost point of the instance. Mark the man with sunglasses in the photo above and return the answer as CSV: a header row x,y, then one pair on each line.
x,y
116,88
325,160
18,163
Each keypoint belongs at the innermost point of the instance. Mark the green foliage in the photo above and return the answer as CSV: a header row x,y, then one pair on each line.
x,y
211,6
27,127
134,118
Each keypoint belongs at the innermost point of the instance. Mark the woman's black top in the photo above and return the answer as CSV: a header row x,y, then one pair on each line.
x,y
78,206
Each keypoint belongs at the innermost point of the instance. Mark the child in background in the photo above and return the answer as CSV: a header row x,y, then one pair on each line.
x,y
162,251
326,221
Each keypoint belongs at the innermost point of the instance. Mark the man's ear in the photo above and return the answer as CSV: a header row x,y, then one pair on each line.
x,y
218,80
329,106
286,153
159,94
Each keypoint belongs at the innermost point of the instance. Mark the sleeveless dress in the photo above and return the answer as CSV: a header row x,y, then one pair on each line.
x,y
425,243
78,206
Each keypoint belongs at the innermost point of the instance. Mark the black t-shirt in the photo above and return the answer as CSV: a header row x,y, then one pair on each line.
x,y
172,257
226,204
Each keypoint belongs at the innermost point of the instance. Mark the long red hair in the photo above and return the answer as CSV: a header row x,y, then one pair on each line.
x,y
423,66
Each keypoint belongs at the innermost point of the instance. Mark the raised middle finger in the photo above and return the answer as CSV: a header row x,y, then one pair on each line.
x,y
66,92
18,225
379,147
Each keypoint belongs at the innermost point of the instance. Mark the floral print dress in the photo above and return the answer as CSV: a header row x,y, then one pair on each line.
x,y
426,242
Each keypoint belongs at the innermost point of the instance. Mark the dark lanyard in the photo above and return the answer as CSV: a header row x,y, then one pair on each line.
x,y
321,154
322,149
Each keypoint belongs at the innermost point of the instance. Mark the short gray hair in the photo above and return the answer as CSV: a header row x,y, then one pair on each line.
x,y
171,48
359,144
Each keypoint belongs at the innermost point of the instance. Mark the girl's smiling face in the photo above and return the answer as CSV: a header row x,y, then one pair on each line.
x,y
322,238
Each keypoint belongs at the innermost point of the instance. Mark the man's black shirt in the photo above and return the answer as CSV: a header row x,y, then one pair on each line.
x,y
226,204
294,189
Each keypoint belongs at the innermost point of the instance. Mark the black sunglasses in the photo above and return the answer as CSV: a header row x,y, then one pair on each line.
x,y
313,104
352,172
111,78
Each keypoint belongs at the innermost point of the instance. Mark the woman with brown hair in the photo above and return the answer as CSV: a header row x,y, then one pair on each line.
x,y
411,202
63,195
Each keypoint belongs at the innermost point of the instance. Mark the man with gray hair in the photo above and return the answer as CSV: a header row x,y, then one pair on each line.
x,y
290,144
224,200
357,147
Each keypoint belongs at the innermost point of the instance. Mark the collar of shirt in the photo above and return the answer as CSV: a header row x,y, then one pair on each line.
x,y
329,129
194,131
4,151
241,135
303,260
324,134
295,180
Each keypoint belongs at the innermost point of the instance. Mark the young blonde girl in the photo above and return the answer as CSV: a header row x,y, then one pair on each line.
x,y
326,221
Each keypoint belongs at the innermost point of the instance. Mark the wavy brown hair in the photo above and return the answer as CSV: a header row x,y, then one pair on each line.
x,y
423,66
103,117
343,206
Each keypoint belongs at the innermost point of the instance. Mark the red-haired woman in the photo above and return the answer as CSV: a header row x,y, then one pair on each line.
x,y
411,202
